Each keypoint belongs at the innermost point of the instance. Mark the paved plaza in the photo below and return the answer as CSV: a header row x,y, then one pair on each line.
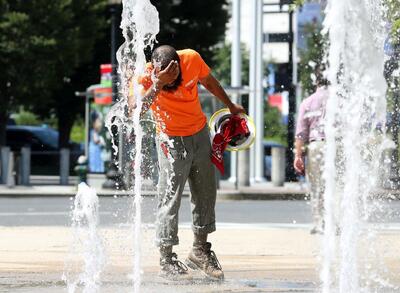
x,y
255,258
263,245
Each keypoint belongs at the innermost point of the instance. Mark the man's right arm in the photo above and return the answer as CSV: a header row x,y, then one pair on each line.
x,y
302,132
149,97
161,78
298,163
147,100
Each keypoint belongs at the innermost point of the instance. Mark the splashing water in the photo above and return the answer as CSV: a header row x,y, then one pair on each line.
x,y
355,141
87,242
140,25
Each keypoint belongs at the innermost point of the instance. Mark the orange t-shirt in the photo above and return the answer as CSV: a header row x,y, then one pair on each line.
x,y
179,113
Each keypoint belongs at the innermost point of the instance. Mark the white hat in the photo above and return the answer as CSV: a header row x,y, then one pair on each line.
x,y
219,118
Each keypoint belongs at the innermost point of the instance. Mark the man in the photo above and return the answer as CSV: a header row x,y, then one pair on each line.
x,y
310,132
184,153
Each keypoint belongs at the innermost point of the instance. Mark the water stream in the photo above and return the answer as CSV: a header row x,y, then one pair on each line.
x,y
355,141
140,25
87,246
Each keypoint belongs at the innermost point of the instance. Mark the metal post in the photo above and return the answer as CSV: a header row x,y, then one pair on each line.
x,y
64,166
25,166
114,79
297,88
10,179
253,76
259,148
5,156
121,136
278,166
113,175
243,178
290,174
236,70
87,129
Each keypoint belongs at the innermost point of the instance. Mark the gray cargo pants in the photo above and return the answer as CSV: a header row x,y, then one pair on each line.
x,y
183,158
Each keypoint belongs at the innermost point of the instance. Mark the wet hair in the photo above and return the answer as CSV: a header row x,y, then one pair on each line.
x,y
162,56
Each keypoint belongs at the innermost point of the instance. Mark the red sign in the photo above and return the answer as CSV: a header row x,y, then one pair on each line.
x,y
103,95
106,75
276,100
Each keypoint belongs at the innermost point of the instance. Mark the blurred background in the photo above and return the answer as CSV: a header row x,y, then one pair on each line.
x,y
58,77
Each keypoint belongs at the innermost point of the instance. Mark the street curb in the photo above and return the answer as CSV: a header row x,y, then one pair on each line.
x,y
271,193
243,195
222,194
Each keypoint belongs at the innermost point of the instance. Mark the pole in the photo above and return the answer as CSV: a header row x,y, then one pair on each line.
x,y
259,148
5,160
114,79
113,176
297,89
236,69
64,166
10,179
25,165
290,174
252,79
87,126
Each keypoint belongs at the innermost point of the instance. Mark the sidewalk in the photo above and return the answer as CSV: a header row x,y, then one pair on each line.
x,y
47,186
254,259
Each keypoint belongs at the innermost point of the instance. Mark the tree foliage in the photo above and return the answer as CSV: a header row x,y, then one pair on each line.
x,y
195,24
222,64
42,46
274,129
393,15
311,58
50,49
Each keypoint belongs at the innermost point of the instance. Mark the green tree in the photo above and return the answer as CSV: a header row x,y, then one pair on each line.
x,y
42,46
274,129
393,15
195,24
222,64
311,58
83,42
50,49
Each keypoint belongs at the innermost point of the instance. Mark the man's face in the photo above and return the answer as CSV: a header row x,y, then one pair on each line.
x,y
175,76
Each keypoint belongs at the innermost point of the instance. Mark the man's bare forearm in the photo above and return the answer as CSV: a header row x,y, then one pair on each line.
x,y
214,87
299,147
148,98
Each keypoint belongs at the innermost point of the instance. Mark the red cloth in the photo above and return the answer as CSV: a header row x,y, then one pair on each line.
x,y
233,127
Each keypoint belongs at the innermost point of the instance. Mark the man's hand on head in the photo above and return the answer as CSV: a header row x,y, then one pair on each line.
x,y
167,75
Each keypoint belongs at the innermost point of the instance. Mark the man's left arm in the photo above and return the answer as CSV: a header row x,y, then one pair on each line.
x,y
214,87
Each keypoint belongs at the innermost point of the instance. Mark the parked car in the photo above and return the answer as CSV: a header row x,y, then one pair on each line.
x,y
43,141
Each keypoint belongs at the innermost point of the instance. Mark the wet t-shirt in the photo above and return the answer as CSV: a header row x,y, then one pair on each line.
x,y
179,113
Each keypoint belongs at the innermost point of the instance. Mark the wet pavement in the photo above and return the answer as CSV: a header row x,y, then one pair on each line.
x,y
255,258
263,246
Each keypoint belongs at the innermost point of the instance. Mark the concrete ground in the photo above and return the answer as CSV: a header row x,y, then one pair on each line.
x,y
254,258
263,246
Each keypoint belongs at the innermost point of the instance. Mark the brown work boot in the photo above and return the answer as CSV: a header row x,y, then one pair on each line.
x,y
172,269
204,259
